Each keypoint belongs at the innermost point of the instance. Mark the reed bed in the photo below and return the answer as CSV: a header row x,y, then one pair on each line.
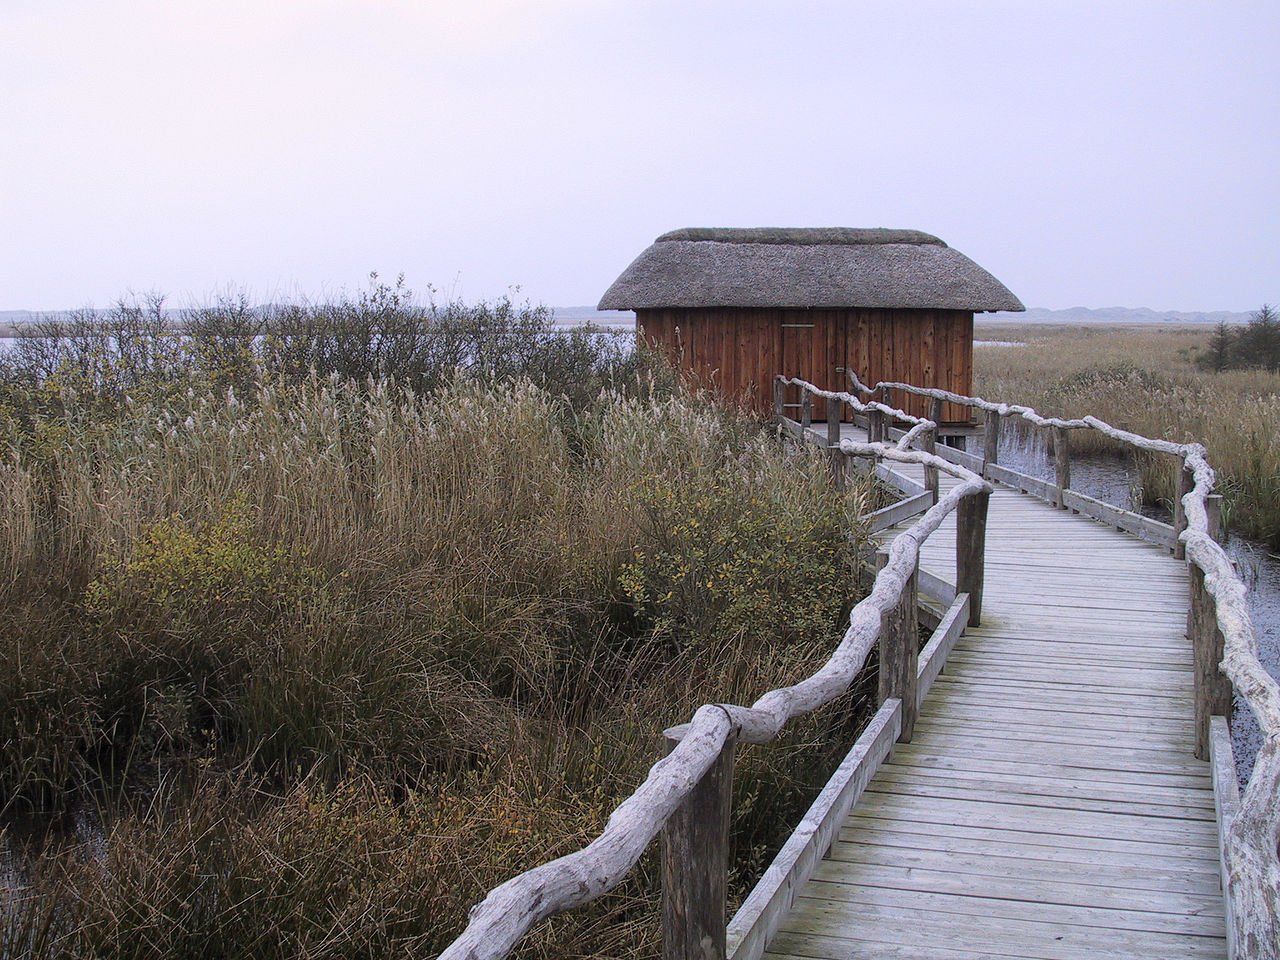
x,y
1146,379
300,664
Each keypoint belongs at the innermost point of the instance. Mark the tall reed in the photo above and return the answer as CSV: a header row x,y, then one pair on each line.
x,y
1146,378
325,658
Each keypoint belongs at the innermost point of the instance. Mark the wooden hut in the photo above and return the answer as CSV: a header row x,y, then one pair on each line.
x,y
738,306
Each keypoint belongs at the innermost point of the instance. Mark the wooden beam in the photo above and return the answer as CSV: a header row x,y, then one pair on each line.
x,y
695,867
900,652
1226,804
971,540
960,457
1062,462
1186,483
833,445
933,658
934,587
1212,689
1021,481
895,513
991,436
875,425
1145,528
1213,695
928,443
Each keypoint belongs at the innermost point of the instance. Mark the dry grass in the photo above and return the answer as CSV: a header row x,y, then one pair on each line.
x,y
327,659
1145,378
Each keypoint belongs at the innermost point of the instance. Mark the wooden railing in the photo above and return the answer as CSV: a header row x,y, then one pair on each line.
x,y
1222,635
686,794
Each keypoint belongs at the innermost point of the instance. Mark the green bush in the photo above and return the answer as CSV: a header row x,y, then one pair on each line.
x,y
723,555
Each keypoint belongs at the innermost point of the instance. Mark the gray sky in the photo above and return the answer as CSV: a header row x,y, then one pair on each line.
x,y
1098,154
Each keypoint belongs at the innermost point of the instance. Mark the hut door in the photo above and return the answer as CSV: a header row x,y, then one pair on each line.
x,y
798,360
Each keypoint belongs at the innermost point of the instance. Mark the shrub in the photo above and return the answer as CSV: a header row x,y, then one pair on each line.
x,y
724,554
390,634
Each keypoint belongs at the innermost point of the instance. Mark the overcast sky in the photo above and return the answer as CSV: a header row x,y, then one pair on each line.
x,y
1098,154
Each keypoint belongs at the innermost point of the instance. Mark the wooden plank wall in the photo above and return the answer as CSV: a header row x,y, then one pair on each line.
x,y
738,351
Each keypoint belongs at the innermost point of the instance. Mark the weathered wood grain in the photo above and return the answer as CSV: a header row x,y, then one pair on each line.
x,y
929,444
960,457
935,587
695,864
1147,528
1061,462
899,656
935,653
991,436
1212,688
760,915
1186,484
1226,800
895,513
1021,481
971,540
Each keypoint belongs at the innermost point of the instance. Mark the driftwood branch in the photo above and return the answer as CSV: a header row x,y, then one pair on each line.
x,y
1003,409
919,424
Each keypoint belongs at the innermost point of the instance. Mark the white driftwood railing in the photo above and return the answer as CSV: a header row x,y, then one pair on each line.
x,y
686,794
1224,641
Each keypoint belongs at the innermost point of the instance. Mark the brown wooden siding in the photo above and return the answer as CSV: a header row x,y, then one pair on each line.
x,y
739,351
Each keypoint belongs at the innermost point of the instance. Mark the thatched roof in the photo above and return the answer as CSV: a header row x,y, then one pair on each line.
x,y
818,267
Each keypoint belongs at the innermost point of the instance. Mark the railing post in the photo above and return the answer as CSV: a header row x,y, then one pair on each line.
x,y
935,411
833,444
875,425
1062,463
806,409
1213,695
929,444
971,550
900,650
695,867
1213,513
779,396
1186,482
991,437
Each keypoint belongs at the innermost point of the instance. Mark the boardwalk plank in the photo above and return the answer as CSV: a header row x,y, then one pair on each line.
x,y
1020,897
979,861
909,925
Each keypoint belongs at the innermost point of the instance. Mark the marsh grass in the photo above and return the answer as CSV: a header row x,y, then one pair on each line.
x,y
328,657
1146,379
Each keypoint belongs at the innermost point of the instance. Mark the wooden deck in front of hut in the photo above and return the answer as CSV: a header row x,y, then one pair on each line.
x,y
1049,804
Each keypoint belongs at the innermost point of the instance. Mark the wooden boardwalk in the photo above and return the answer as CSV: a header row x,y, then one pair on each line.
x,y
1049,804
